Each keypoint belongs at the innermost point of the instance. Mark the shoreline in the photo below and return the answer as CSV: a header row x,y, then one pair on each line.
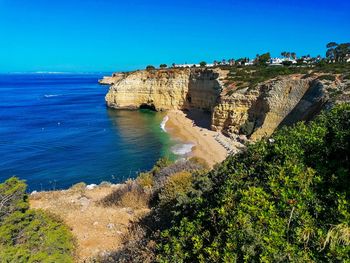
x,y
204,143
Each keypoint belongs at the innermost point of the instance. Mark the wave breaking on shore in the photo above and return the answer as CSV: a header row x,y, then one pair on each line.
x,y
182,149
163,123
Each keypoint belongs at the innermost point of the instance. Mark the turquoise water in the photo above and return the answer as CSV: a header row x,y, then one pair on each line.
x,y
55,131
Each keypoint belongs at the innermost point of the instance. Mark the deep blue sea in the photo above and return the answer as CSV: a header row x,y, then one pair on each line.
x,y
55,131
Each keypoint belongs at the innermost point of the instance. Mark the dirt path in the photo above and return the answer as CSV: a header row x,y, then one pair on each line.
x,y
97,229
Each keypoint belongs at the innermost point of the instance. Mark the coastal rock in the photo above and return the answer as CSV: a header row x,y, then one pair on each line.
x,y
165,89
110,80
259,111
255,112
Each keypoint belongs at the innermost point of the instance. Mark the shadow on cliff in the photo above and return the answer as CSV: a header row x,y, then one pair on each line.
x,y
312,102
200,118
309,105
256,113
203,92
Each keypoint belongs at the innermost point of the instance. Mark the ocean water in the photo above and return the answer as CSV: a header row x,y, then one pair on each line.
x,y
55,131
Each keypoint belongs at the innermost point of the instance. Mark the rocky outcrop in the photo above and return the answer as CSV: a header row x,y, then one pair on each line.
x,y
259,111
113,79
165,89
255,112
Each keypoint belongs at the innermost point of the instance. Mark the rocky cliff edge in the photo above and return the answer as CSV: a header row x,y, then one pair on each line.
x,y
252,111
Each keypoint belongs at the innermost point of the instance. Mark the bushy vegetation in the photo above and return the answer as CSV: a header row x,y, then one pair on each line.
x,y
285,199
327,77
162,189
250,76
30,235
338,52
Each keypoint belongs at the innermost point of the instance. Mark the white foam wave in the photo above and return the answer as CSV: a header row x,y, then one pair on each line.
x,y
51,95
182,149
163,123
91,186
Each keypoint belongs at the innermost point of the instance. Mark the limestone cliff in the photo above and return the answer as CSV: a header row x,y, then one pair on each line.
x,y
255,112
165,89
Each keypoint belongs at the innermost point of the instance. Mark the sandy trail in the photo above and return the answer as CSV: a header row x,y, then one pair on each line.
x,y
97,229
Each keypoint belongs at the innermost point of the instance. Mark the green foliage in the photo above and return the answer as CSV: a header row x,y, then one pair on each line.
x,y
264,58
337,52
12,197
203,64
200,161
150,67
145,180
250,76
163,65
285,199
327,77
334,68
176,185
287,63
160,164
30,235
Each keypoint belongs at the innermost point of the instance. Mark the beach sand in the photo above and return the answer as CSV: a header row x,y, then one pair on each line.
x,y
192,127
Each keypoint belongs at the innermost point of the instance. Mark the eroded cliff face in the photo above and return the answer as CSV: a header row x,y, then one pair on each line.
x,y
259,111
255,112
165,89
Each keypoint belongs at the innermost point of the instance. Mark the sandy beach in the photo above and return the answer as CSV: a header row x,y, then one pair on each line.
x,y
193,128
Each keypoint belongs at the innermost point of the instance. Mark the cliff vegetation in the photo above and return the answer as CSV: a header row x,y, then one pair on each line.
x,y
284,199
251,100
28,235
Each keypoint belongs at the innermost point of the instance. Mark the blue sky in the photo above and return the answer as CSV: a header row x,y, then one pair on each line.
x,y
107,35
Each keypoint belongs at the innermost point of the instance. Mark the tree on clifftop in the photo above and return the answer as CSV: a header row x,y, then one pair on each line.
x,y
337,52
163,66
203,64
263,59
150,67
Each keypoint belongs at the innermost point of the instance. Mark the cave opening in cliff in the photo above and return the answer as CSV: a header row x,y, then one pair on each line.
x,y
145,106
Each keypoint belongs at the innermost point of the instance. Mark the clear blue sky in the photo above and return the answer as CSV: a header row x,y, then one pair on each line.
x,y
107,35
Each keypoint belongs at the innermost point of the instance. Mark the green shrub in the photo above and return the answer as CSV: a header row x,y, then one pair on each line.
x,y
145,180
286,199
176,185
13,197
287,63
30,235
200,161
160,164
327,77
78,188
251,76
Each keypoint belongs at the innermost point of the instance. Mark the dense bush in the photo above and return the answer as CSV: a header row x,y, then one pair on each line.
x,y
30,235
250,76
164,188
327,77
176,185
285,199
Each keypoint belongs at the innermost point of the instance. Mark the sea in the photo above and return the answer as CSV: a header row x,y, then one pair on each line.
x,y
56,131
